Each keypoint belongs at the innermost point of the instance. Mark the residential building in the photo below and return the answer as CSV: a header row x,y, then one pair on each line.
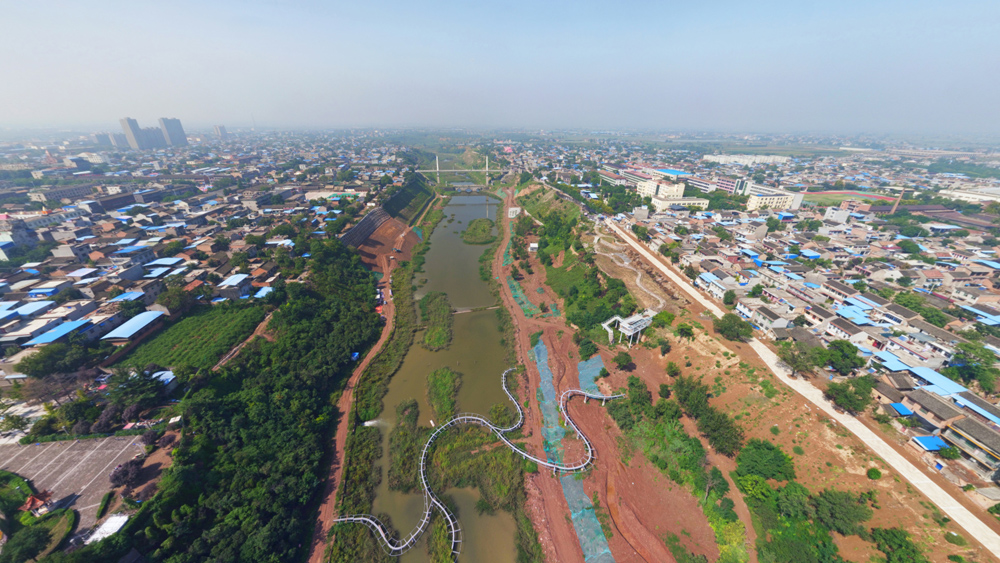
x,y
173,132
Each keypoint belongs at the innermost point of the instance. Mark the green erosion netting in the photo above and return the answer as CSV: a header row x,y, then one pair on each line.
x,y
507,258
529,308
588,528
589,372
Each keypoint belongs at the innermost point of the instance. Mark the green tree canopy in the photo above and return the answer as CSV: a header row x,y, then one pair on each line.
x,y
57,357
843,357
732,327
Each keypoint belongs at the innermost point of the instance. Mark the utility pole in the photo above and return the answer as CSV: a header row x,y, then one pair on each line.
x,y
437,165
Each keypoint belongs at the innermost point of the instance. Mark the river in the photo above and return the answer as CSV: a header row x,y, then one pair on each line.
x,y
452,267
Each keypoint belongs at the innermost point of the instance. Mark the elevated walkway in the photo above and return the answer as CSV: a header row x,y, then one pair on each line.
x,y
395,547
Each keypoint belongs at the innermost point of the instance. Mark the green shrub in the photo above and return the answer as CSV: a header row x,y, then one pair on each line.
x,y
874,474
955,539
951,452
766,460
105,501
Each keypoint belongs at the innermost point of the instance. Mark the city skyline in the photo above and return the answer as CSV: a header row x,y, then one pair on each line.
x,y
781,67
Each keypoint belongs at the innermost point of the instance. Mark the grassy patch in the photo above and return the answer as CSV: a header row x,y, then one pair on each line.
x,y
544,201
59,523
479,231
602,516
435,312
201,338
535,337
680,553
442,390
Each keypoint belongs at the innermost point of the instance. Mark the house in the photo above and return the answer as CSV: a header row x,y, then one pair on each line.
x,y
818,315
978,441
838,291
767,319
843,329
135,329
894,314
932,409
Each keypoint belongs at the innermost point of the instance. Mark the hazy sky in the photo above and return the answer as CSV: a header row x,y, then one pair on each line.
x,y
842,66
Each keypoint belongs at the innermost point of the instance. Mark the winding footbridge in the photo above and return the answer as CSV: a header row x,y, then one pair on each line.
x,y
396,547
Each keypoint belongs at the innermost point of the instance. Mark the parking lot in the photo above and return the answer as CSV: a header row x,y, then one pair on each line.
x,y
75,471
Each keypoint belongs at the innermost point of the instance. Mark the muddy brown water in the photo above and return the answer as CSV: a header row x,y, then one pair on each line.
x,y
475,351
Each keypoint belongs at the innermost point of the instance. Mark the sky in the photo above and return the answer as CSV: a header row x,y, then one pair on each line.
x,y
779,66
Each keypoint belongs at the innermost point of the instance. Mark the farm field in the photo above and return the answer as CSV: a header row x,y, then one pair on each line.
x,y
200,338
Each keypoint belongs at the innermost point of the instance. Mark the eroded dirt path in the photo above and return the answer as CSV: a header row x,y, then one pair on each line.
x,y
327,507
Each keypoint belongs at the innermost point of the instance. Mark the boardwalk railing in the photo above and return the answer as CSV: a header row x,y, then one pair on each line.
x,y
396,547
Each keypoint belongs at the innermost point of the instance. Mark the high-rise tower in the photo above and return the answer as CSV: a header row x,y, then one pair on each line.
x,y
173,133
133,133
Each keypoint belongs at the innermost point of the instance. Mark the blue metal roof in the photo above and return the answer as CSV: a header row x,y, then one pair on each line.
x,y
960,401
263,292
134,325
989,263
36,307
58,332
165,262
156,273
938,383
130,249
891,361
47,291
127,296
234,280
901,409
930,443
81,273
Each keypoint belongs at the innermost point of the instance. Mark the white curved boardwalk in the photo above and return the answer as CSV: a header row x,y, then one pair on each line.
x,y
954,509
431,502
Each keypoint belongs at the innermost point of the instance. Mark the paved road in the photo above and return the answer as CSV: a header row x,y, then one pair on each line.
x,y
75,471
954,509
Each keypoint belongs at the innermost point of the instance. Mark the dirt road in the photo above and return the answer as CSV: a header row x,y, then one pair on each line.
x,y
327,508
948,503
